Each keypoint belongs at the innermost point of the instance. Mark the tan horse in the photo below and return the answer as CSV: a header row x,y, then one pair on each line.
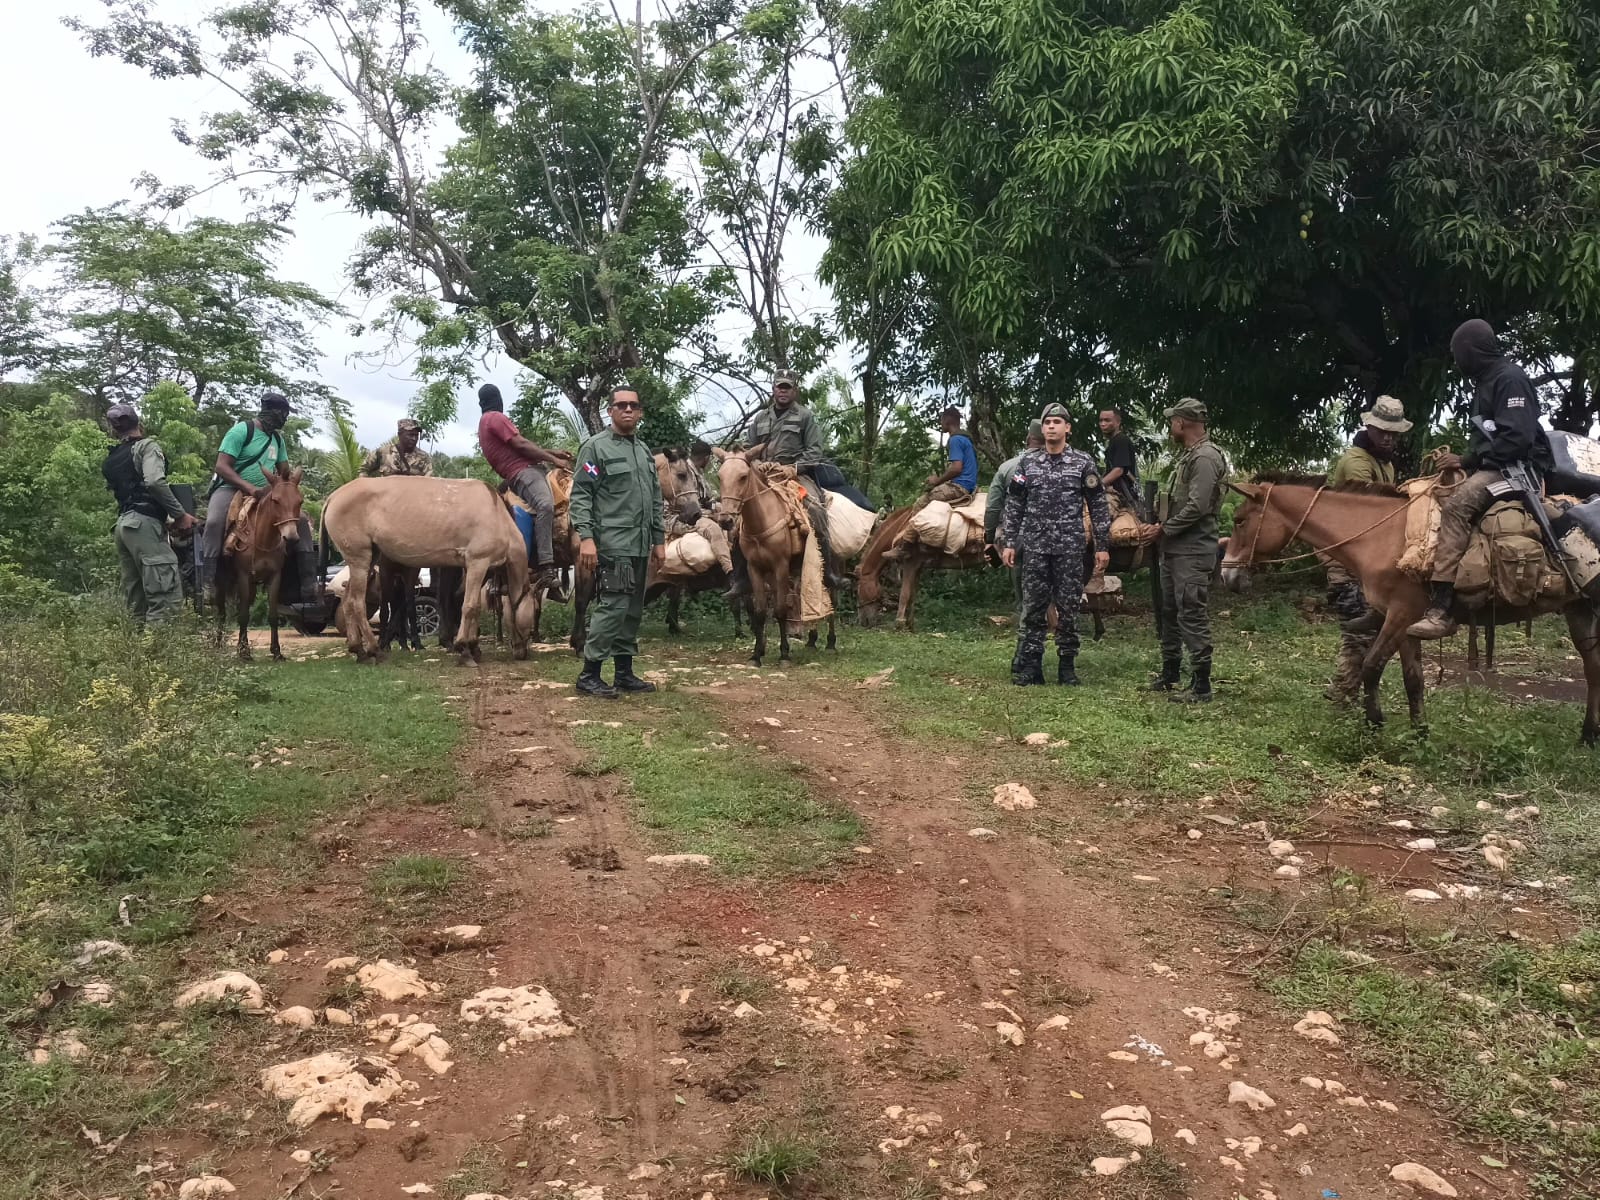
x,y
428,522
1364,531
912,560
773,545
271,524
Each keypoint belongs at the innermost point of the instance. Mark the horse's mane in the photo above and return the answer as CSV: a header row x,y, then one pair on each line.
x,y
1319,481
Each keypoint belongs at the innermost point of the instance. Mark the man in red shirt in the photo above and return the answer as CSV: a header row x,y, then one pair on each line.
x,y
522,464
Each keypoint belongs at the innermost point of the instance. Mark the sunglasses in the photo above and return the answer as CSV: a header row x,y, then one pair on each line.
x,y
626,405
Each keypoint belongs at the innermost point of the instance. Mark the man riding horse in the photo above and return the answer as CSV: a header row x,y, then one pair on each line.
x,y
1506,406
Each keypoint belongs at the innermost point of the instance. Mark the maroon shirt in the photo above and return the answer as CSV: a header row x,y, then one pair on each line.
x,y
495,432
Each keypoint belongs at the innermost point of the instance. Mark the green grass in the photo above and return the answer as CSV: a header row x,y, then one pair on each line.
x,y
167,831
1487,1062
413,879
776,1157
751,814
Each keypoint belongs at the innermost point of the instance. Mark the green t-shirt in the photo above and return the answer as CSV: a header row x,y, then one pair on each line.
x,y
244,440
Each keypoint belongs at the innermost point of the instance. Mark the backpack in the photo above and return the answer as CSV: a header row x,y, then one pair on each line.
x,y
1505,562
249,460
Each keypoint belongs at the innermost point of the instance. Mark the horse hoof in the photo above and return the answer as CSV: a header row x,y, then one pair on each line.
x,y
1376,720
276,657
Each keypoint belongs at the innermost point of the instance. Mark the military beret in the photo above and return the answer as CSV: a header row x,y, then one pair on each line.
x,y
1188,408
1054,410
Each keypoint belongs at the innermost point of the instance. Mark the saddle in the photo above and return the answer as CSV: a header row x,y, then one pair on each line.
x,y
237,540
783,480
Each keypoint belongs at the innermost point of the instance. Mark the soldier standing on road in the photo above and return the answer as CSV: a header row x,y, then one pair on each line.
x,y
616,510
994,507
400,455
1187,535
136,474
1044,521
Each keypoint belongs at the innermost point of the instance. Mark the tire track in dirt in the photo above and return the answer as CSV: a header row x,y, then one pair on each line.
x,y
1027,913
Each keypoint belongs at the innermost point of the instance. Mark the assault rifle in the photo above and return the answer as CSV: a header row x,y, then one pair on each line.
x,y
1522,479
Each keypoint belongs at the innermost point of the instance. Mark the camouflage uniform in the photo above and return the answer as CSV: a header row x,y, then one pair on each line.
x,y
136,474
1189,555
389,459
1044,521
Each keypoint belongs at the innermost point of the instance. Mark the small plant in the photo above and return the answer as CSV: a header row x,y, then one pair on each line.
x,y
414,877
732,983
774,1157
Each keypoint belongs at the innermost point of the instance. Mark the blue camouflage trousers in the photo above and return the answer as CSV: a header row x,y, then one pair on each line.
x,y
1050,579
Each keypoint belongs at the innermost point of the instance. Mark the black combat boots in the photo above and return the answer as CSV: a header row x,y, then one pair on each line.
x,y
1027,670
1066,670
590,683
1199,689
1167,680
626,680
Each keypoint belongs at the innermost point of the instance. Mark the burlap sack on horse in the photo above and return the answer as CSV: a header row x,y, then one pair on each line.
x,y
947,529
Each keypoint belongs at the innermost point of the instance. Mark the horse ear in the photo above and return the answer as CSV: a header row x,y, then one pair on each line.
x,y
720,453
1249,490
283,469
296,475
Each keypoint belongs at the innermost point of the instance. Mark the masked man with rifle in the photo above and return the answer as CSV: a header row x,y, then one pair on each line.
x,y
1507,437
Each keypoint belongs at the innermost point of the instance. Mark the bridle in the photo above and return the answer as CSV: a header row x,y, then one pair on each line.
x,y
755,484
263,517
1265,497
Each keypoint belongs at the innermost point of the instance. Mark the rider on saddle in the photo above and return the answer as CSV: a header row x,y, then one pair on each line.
x,y
1508,405
790,436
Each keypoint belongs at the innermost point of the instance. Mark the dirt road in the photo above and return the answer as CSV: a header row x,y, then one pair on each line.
x,y
959,1009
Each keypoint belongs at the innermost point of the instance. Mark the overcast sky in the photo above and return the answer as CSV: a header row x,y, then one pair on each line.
x,y
77,131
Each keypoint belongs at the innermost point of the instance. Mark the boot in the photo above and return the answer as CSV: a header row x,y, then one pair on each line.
x,y
1199,689
626,680
590,683
1368,622
1167,680
549,579
1027,670
1066,671
739,582
1437,622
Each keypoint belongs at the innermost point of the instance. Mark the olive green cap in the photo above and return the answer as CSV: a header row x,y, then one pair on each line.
x,y
1054,410
1188,408
1036,429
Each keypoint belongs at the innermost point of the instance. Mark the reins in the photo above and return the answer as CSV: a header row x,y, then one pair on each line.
x,y
1266,498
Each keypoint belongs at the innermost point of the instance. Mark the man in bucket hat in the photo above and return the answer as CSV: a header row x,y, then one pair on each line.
x,y
1368,462
135,470
1187,536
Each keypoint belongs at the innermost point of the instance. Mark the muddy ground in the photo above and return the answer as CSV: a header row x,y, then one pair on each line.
x,y
951,1012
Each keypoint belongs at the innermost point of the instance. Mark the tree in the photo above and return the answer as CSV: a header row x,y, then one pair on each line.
x,y
1274,204
196,304
23,338
553,227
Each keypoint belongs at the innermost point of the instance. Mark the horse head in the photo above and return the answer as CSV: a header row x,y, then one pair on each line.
x,y
280,505
676,474
736,477
1259,531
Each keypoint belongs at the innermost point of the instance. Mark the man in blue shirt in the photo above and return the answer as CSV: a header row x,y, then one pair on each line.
x,y
955,486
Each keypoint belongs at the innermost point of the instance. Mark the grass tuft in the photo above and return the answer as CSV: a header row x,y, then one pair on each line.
x,y
778,1158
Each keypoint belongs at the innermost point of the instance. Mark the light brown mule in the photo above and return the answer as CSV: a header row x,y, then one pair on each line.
x,y
912,560
272,522
773,545
1364,531
429,522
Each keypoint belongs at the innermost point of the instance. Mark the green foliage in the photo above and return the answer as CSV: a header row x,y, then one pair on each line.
x,y
1277,206
775,1157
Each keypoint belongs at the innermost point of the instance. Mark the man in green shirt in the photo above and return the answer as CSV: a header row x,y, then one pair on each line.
x,y
1187,536
250,451
616,511
136,474
1368,461
994,507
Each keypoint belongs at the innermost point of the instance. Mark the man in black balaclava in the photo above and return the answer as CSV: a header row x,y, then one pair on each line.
x,y
1508,405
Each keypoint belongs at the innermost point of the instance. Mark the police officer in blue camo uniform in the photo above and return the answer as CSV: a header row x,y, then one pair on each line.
x,y
1044,520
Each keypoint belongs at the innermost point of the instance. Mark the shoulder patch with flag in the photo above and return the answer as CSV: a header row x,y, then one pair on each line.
x,y
590,469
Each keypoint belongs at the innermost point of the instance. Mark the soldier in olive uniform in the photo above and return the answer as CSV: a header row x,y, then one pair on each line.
x,y
616,510
791,436
1044,520
400,455
1187,535
994,507
136,474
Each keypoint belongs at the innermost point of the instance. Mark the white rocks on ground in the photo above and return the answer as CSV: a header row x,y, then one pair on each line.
x,y
228,986
391,981
415,1037
530,1013
62,1044
1130,1123
1423,895
1280,848
1421,1178
1012,796
296,1015
1318,1026
1422,845
203,1186
1240,1092
332,1083
679,860
90,952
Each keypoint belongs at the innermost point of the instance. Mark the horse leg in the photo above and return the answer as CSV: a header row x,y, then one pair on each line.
x,y
1583,623
1395,623
1411,672
833,634
1472,645
1099,624
760,602
359,635
245,597
782,598
673,596
471,606
221,581
274,586
910,572
1488,644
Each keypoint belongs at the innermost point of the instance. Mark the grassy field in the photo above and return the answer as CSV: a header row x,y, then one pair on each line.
x,y
149,770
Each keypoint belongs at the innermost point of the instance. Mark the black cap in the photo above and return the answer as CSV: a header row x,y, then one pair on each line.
x,y
122,416
489,397
275,400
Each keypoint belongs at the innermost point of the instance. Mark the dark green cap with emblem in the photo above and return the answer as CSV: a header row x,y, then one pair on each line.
x,y
1188,408
1054,410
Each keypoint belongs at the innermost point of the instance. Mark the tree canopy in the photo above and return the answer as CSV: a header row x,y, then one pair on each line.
x,y
1274,204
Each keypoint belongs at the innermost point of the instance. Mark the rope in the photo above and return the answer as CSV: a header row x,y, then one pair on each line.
x,y
1266,498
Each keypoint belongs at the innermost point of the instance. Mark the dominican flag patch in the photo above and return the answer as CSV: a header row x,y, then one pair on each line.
x,y
1019,477
590,469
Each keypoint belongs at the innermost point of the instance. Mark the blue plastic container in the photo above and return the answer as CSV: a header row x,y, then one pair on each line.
x,y
524,520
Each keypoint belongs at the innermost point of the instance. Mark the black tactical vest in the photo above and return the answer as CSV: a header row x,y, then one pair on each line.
x,y
122,477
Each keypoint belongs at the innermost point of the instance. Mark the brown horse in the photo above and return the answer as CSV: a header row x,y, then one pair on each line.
x,y
773,544
430,522
272,522
912,560
1364,531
